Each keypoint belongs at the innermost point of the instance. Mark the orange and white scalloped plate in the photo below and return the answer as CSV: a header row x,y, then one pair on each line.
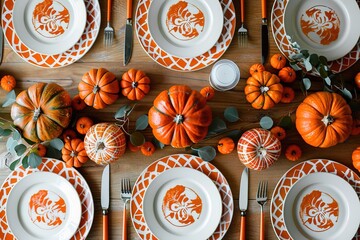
x,y
180,63
59,168
68,57
176,161
295,174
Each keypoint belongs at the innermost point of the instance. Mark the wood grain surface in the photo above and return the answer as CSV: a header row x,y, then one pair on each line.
x,y
132,164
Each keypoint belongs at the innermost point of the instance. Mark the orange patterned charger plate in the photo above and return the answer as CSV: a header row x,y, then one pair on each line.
x,y
70,174
173,161
295,174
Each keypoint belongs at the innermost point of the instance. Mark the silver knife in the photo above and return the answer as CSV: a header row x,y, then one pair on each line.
x,y
243,200
128,34
105,199
264,33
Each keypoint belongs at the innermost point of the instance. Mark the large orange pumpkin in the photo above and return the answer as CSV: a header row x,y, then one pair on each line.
x,y
135,84
263,90
324,119
105,143
180,116
99,88
258,148
42,111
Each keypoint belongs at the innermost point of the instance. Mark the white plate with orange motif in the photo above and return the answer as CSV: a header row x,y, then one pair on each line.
x,y
49,26
322,206
43,205
328,28
185,28
182,203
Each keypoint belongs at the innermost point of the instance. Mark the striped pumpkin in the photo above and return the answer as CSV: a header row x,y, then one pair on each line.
x,y
258,148
105,143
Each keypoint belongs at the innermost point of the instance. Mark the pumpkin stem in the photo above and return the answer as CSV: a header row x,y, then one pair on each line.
x,y
96,89
179,119
264,89
262,151
37,113
328,120
100,146
73,154
134,84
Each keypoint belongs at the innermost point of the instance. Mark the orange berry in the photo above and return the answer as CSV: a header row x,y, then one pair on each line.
x,y
8,83
293,152
288,95
77,103
279,132
287,75
147,148
257,67
226,145
278,61
208,92
83,124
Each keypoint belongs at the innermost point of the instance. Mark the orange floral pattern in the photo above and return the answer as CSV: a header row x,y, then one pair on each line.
x,y
50,18
185,21
47,209
320,24
181,206
319,211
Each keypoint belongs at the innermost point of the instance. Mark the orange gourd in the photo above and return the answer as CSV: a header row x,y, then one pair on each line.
x,y
324,119
208,92
99,88
68,135
135,84
293,152
257,67
180,116
105,143
225,145
357,80
147,148
40,150
74,154
83,125
42,111
278,61
77,103
287,75
8,83
356,158
263,90
278,132
288,95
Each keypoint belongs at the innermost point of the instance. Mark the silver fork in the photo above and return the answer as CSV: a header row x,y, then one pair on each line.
x,y
242,32
261,198
125,195
108,31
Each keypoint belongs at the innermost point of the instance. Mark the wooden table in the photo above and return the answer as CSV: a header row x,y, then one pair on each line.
x,y
132,164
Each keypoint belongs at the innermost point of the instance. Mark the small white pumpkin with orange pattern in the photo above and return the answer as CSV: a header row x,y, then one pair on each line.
x,y
105,143
258,148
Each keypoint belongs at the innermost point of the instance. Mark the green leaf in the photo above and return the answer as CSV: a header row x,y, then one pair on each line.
x,y
322,71
207,153
20,149
123,111
307,83
53,153
142,122
25,162
295,66
29,141
314,59
323,60
231,114
11,144
347,94
235,135
286,122
10,99
16,135
308,65
57,143
137,138
157,143
34,160
305,53
14,164
266,122
327,81
217,125
5,132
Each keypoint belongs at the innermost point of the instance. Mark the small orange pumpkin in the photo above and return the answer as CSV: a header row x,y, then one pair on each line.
x,y
287,75
278,132
225,145
77,103
293,152
68,135
324,119
208,92
263,90
8,83
356,127
278,61
132,147
135,84
83,125
356,158
147,148
357,80
288,95
74,154
257,67
99,88
40,150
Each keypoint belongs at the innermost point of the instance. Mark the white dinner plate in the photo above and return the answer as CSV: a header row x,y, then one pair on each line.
x,y
326,27
43,205
182,203
186,28
49,26
322,206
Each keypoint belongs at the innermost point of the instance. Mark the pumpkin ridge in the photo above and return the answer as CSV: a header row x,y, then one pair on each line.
x,y
312,108
28,96
107,83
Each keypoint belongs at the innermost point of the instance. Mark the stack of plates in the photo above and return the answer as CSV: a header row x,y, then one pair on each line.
x,y
317,199
181,197
51,33
50,202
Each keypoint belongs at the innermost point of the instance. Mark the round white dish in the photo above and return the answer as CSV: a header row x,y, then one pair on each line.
x,y
322,206
327,28
49,27
182,203
186,28
43,205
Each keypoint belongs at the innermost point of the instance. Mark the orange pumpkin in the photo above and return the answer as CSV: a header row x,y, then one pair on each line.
x,y
293,152
356,158
74,154
258,148
40,150
263,90
105,143
83,125
257,67
324,119
77,103
135,84
208,92
147,148
180,116
99,88
278,132
68,135
278,61
42,111
287,75
8,83
357,80
288,95
225,145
